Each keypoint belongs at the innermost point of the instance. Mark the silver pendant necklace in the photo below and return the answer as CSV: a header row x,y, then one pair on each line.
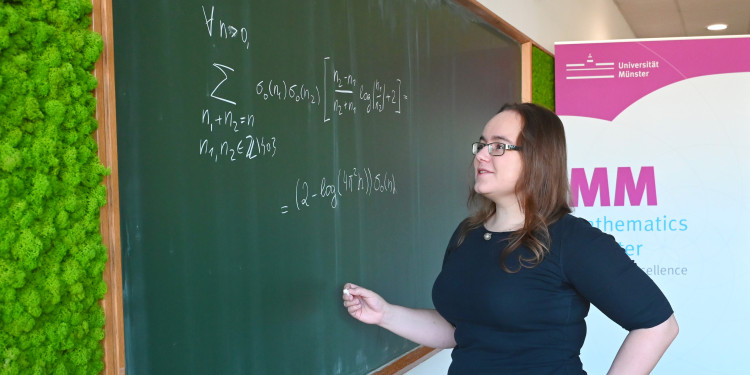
x,y
487,236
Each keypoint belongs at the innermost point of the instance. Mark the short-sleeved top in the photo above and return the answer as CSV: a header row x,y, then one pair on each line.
x,y
532,321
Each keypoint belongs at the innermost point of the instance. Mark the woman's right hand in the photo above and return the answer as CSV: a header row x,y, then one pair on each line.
x,y
423,326
364,304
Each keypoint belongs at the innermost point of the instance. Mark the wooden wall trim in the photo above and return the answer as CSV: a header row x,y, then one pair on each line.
x,y
526,43
407,361
493,19
526,69
106,138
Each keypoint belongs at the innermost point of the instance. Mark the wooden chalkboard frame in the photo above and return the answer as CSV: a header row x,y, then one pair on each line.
x,y
106,137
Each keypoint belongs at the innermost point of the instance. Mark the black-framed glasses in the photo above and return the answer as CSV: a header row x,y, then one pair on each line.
x,y
494,148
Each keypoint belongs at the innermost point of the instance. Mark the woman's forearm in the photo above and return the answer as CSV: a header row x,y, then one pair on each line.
x,y
425,327
643,348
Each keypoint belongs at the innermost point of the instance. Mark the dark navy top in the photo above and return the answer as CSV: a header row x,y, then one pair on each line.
x,y
532,321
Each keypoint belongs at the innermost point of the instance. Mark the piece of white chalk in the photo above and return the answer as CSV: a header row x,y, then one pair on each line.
x,y
346,291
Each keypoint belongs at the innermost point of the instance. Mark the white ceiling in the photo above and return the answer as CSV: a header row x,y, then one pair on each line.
x,y
680,18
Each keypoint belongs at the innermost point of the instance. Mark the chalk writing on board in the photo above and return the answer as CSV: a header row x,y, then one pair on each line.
x,y
294,92
228,119
234,138
347,181
223,69
249,148
226,30
341,94
350,94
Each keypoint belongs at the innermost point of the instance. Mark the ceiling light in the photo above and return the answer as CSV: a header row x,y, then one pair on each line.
x,y
717,26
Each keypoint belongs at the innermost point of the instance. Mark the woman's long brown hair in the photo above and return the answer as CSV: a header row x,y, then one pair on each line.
x,y
542,189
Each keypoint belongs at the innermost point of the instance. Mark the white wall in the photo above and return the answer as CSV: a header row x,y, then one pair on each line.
x,y
547,22
550,21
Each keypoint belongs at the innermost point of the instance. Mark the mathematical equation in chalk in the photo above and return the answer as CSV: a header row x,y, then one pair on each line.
x,y
231,134
232,137
341,94
226,30
347,181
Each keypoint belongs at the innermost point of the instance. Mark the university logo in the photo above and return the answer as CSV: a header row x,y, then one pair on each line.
x,y
590,69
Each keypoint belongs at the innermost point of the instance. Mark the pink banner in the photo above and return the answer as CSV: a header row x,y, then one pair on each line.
x,y
600,80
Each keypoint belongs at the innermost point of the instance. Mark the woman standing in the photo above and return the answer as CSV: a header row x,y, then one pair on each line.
x,y
520,273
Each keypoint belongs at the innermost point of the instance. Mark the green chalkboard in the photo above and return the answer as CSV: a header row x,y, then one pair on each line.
x,y
270,151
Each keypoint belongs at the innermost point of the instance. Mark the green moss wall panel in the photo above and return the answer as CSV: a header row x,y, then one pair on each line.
x,y
51,252
543,78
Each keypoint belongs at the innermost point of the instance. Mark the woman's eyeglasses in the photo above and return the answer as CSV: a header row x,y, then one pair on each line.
x,y
494,148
